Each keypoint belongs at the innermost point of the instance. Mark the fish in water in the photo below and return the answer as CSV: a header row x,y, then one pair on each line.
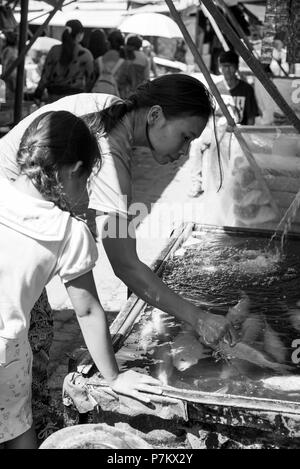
x,y
187,350
191,242
258,343
242,351
289,384
273,346
239,313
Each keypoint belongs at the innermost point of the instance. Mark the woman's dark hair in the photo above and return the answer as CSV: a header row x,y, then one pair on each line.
x,y
134,40
72,29
178,95
54,140
133,43
229,57
116,39
98,43
11,38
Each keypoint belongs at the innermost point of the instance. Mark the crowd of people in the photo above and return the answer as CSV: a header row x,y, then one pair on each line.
x,y
100,104
70,68
112,64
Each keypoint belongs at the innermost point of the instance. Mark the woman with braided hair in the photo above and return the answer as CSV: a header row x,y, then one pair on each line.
x,y
39,234
165,115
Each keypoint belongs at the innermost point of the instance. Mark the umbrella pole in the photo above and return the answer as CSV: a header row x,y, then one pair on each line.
x,y
25,49
244,145
253,63
20,71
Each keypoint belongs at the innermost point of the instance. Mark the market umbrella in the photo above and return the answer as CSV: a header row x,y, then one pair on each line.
x,y
151,24
44,43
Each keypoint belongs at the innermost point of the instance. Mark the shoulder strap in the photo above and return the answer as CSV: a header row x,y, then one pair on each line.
x,y
118,64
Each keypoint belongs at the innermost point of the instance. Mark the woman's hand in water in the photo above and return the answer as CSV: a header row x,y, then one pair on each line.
x,y
212,328
133,384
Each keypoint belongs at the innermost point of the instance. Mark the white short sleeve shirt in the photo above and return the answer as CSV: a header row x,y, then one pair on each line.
x,y
37,241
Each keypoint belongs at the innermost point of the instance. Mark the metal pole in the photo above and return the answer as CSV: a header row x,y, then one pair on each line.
x,y
216,92
20,72
253,63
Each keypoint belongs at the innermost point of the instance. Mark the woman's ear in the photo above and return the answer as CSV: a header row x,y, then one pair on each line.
x,y
155,114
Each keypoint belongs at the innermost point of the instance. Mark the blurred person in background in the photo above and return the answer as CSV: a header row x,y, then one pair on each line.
x,y
116,41
9,55
69,67
106,69
107,65
148,51
98,43
279,66
135,69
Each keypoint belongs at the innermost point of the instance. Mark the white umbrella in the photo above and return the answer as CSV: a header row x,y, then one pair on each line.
x,y
44,43
151,24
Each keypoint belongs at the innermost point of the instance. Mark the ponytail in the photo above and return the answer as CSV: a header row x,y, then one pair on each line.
x,y
177,94
72,29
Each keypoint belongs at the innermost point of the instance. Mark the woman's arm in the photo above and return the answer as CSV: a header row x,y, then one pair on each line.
x,y
96,72
147,285
89,71
93,323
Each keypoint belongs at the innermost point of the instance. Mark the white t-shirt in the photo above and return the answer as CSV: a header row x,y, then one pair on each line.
x,y
37,241
111,188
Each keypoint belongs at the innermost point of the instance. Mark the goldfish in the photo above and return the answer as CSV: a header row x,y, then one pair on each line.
x,y
290,384
242,351
187,350
258,343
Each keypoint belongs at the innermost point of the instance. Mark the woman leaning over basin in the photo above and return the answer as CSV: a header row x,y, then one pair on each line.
x,y
165,115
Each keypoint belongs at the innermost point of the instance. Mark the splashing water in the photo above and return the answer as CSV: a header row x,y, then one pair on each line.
x,y
287,221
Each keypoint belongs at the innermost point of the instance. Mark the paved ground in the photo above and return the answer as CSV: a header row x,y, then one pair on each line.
x,y
160,188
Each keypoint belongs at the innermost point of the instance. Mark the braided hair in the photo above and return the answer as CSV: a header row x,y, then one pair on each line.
x,y
179,95
52,141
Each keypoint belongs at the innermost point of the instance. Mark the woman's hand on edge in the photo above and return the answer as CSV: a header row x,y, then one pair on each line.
x,y
134,384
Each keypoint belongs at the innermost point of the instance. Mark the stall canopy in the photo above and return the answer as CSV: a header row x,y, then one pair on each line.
x,y
151,24
110,14
91,14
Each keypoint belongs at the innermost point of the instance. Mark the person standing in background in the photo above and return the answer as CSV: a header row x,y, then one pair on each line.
x,y
116,41
98,43
107,65
69,67
148,51
9,55
237,93
106,69
135,68
279,66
